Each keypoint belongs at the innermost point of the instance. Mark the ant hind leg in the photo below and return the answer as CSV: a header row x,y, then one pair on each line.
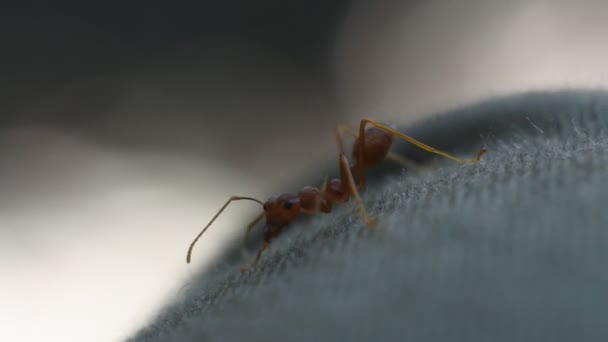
x,y
421,145
404,162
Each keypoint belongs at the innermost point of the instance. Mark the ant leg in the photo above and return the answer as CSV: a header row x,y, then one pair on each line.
x,y
257,257
323,204
349,130
411,140
323,187
404,162
348,180
341,130
250,227
233,198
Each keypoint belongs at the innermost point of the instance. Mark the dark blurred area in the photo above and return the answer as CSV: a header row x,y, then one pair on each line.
x,y
158,75
51,44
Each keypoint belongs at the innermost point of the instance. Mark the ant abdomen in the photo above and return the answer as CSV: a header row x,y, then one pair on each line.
x,y
377,145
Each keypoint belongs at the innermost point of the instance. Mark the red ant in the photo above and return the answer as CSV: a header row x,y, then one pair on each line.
x,y
282,210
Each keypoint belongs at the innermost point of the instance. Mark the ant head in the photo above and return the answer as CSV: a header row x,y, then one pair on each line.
x,y
282,210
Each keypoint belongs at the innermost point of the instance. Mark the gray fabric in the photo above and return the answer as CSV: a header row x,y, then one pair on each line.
x,y
507,250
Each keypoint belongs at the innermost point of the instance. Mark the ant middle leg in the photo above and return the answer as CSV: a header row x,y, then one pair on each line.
x,y
347,180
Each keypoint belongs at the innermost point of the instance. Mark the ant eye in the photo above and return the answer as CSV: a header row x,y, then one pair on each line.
x,y
288,204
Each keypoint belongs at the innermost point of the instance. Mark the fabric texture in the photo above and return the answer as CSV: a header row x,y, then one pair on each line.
x,y
510,249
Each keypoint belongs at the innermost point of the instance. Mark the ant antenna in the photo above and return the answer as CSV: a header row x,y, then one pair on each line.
x,y
233,198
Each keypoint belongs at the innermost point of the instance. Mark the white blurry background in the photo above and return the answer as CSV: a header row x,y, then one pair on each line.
x,y
114,155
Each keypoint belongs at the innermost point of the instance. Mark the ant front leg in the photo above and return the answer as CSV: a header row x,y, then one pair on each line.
x,y
257,257
250,227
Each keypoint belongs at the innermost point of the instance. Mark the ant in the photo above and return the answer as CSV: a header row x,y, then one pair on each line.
x,y
371,146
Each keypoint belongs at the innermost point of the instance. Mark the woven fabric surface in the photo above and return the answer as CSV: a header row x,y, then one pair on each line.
x,y
510,249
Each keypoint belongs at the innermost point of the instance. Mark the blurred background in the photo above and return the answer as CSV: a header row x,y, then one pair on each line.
x,y
126,125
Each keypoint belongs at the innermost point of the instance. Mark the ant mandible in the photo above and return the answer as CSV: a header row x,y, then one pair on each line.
x,y
371,146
